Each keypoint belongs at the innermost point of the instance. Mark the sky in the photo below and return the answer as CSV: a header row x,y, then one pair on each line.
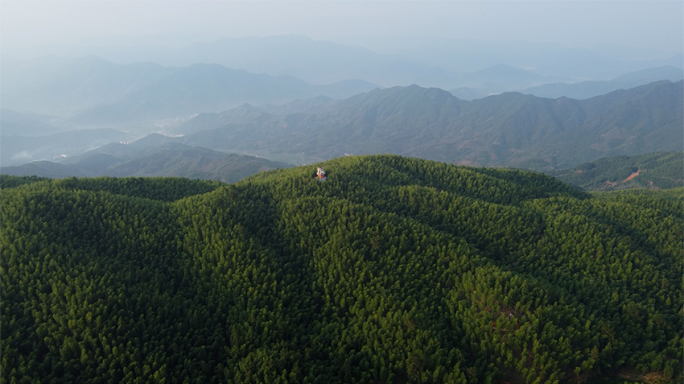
x,y
30,27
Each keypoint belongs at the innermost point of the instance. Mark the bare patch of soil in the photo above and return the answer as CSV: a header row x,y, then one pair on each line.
x,y
650,377
633,175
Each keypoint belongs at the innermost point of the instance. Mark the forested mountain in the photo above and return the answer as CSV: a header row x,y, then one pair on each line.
x,y
394,270
209,88
658,170
390,121
511,129
148,158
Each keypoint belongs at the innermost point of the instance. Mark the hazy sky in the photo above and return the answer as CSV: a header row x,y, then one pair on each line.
x,y
645,24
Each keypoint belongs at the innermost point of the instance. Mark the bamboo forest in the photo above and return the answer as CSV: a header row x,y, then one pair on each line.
x,y
389,270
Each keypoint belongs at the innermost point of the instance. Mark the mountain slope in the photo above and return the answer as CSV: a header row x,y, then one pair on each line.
x,y
43,169
652,170
194,163
392,270
389,120
504,130
151,159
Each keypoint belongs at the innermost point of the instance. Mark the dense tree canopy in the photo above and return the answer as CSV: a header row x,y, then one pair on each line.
x,y
657,170
393,270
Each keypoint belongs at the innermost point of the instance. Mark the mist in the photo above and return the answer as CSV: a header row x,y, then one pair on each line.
x,y
34,28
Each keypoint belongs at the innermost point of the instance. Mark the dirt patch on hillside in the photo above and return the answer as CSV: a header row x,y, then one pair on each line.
x,y
633,175
650,378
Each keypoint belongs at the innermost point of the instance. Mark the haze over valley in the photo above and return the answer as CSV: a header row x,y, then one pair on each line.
x,y
47,98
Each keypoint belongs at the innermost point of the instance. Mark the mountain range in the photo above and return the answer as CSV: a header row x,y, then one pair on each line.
x,y
317,62
548,59
510,129
80,85
588,89
402,61
93,91
299,122
206,88
273,70
148,158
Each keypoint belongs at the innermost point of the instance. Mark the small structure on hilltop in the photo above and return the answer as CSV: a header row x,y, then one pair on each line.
x,y
321,174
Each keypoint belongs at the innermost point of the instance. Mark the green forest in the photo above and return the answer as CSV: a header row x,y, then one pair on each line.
x,y
656,170
393,270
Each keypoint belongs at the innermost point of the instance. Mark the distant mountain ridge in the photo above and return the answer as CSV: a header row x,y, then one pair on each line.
x,y
588,89
506,129
83,84
511,129
95,91
150,158
316,62
421,60
209,87
101,92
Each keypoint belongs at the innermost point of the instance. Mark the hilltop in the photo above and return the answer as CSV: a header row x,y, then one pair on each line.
x,y
393,270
